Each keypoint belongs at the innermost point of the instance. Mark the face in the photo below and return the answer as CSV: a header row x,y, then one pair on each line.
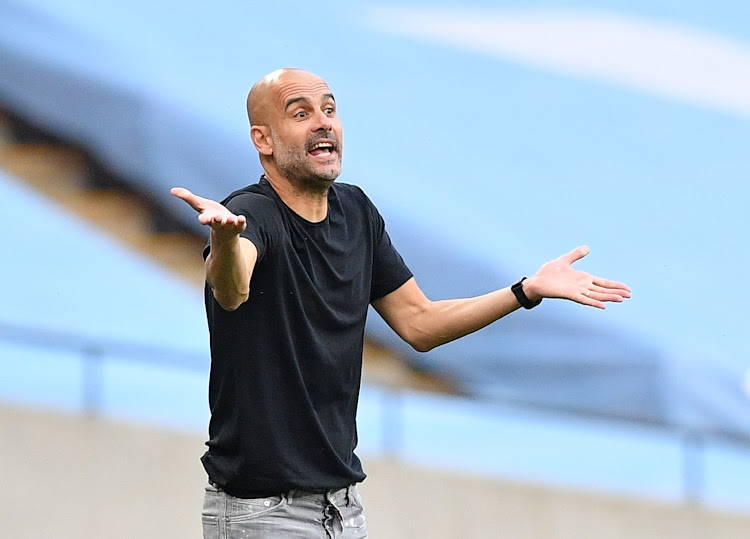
x,y
306,131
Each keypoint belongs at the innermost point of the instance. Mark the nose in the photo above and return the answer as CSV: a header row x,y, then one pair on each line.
x,y
323,122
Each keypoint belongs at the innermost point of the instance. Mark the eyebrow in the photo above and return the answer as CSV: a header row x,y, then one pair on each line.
x,y
305,100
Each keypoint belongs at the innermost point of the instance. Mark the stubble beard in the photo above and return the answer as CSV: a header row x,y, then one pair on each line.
x,y
294,165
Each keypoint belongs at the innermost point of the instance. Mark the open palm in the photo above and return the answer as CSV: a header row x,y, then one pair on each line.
x,y
558,279
222,221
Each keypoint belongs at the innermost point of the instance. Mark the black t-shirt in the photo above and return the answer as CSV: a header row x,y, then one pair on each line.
x,y
286,365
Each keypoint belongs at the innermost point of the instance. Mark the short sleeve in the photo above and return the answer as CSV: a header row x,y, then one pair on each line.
x,y
260,213
389,271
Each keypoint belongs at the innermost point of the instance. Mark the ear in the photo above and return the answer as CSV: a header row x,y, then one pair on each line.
x,y
261,137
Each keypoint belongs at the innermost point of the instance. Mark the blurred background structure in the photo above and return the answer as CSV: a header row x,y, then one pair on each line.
x,y
493,136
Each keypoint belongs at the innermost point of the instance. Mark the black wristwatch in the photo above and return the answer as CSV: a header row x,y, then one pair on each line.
x,y
525,302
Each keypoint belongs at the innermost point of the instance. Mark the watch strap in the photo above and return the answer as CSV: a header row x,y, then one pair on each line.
x,y
525,302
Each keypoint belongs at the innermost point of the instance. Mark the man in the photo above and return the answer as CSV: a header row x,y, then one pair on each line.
x,y
291,266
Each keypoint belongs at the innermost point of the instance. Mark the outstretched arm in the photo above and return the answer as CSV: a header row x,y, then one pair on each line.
x,y
229,265
425,324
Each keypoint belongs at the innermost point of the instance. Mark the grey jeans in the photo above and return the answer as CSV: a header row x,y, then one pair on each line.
x,y
336,514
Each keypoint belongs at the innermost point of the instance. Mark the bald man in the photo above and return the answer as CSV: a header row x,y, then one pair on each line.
x,y
292,264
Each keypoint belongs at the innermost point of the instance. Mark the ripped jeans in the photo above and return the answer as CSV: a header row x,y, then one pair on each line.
x,y
335,514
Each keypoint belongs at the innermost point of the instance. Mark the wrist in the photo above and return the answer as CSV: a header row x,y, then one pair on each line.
x,y
530,289
224,238
520,291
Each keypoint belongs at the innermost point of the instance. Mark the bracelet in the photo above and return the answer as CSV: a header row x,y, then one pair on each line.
x,y
525,302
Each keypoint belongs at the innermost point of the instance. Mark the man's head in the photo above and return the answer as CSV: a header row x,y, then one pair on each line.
x,y
295,128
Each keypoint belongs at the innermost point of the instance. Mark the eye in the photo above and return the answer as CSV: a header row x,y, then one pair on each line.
x,y
330,110
300,114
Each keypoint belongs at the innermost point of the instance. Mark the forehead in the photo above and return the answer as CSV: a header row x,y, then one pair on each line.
x,y
295,85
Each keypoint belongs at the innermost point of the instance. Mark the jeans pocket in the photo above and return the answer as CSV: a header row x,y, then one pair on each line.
x,y
356,498
355,522
210,527
213,504
244,509
353,516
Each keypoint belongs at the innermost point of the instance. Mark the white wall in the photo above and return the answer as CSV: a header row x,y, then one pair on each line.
x,y
73,477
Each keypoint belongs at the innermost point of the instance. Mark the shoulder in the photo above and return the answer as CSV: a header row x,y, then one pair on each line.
x,y
250,199
350,194
348,189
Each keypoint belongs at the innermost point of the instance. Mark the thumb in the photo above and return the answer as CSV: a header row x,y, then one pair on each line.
x,y
187,196
575,255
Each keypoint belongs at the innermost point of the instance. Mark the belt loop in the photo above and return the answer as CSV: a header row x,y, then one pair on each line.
x,y
349,495
289,496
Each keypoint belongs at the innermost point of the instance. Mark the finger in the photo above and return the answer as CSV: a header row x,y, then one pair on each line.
x,y
233,221
589,299
226,223
611,285
194,200
575,255
606,296
209,219
180,192
606,290
212,219
236,221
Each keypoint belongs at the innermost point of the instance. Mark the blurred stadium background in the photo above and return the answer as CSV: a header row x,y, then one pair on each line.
x,y
493,136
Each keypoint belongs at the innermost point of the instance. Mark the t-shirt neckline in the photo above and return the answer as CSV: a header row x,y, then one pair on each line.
x,y
265,183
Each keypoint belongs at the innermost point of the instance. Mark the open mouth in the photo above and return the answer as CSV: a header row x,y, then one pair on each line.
x,y
322,149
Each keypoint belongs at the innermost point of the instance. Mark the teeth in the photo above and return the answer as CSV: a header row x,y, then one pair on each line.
x,y
322,145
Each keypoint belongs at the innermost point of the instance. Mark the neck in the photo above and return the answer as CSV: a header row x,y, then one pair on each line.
x,y
310,203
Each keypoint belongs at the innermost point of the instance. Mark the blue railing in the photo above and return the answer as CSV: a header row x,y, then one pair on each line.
x,y
387,415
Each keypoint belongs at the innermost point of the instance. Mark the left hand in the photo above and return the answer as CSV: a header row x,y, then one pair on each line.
x,y
558,279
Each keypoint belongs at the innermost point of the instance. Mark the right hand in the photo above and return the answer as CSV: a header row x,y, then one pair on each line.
x,y
223,222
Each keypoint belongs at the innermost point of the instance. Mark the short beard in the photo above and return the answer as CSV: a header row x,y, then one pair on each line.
x,y
295,167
